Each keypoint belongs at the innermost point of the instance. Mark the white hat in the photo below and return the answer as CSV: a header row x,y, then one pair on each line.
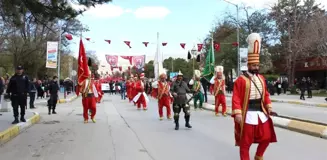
x,y
180,73
197,73
219,68
254,41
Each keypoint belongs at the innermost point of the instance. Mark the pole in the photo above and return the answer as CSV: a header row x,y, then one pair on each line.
x,y
172,64
238,43
59,44
158,52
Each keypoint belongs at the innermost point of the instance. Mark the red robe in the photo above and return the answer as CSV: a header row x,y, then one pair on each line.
x,y
164,98
246,134
140,97
99,89
128,89
133,90
219,93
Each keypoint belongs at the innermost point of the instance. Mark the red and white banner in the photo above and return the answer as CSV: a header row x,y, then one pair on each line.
x,y
116,60
112,60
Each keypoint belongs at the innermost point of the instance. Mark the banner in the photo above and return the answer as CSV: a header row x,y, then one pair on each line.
x,y
138,61
243,59
52,55
112,60
115,61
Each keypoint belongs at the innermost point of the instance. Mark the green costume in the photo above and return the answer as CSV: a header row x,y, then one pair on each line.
x,y
198,95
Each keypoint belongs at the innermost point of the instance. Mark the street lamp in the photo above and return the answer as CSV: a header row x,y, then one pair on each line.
x,y
238,36
194,53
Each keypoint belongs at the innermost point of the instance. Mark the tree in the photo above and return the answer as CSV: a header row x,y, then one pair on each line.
x,y
26,44
292,17
44,11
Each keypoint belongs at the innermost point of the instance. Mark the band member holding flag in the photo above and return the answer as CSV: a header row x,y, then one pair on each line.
x,y
162,89
86,85
219,90
251,106
198,89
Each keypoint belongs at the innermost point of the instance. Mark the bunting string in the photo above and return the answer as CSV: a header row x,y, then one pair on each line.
x,y
183,45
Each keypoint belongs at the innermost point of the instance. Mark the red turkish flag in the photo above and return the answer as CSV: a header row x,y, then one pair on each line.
x,y
107,40
128,43
83,69
235,44
183,45
200,46
88,39
217,46
164,44
69,36
145,43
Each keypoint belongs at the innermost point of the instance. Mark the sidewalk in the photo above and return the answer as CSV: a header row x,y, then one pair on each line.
x,y
9,131
295,99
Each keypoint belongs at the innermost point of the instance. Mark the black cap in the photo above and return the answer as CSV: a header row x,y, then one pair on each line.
x,y
19,68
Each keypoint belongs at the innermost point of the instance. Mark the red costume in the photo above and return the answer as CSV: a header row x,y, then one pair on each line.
x,y
164,97
128,89
219,90
141,97
89,94
255,125
99,89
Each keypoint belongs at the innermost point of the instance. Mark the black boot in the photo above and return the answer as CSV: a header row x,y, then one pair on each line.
x,y
15,121
176,118
22,119
187,121
54,112
49,108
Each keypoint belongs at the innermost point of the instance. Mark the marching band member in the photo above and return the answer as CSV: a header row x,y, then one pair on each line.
x,y
162,88
141,98
251,106
89,95
219,90
197,89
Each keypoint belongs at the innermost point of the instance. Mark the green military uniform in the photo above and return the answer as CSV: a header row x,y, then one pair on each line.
x,y
198,95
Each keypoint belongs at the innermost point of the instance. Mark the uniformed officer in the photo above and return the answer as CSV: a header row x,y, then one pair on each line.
x,y
17,91
179,90
53,90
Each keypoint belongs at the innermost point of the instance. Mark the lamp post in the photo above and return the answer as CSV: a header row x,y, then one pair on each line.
x,y
238,36
194,54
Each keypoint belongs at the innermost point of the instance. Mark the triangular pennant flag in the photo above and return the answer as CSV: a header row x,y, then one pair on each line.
x,y
128,43
200,46
145,43
164,43
69,36
88,39
107,40
189,56
183,45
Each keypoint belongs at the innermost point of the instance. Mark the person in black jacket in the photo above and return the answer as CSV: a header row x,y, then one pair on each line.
x,y
17,90
53,90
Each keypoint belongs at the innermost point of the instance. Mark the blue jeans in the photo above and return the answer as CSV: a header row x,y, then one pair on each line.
x,y
123,95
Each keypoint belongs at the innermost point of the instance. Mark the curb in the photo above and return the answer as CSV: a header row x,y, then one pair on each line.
x,y
15,130
67,100
294,125
296,102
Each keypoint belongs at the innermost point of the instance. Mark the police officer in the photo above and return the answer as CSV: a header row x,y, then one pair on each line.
x,y
17,90
179,90
53,90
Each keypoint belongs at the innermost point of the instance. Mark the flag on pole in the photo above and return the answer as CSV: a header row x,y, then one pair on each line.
x,y
83,69
208,71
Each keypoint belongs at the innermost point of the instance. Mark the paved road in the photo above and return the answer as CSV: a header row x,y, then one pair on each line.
x,y
318,114
124,133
